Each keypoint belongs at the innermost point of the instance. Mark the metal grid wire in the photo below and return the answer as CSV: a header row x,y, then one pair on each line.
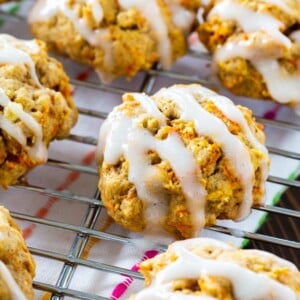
x,y
86,230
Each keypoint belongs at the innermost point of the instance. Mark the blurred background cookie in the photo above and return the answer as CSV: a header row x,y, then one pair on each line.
x,y
36,106
116,38
255,46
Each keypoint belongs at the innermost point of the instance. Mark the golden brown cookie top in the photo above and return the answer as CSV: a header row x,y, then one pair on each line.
x,y
166,135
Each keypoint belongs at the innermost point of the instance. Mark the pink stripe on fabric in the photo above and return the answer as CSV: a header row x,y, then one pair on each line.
x,y
70,179
122,287
272,113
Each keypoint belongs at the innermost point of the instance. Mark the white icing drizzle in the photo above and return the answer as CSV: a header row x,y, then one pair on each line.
x,y
206,3
295,36
181,17
283,87
103,134
202,242
116,133
98,37
97,10
11,54
122,135
264,60
150,107
232,112
16,293
276,78
246,284
183,165
38,151
12,129
250,20
151,11
200,15
117,136
117,127
209,125
45,9
29,45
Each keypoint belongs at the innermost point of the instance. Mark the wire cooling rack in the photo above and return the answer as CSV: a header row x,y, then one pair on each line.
x,y
82,232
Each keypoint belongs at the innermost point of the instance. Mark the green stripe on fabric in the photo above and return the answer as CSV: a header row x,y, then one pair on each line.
x,y
14,8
